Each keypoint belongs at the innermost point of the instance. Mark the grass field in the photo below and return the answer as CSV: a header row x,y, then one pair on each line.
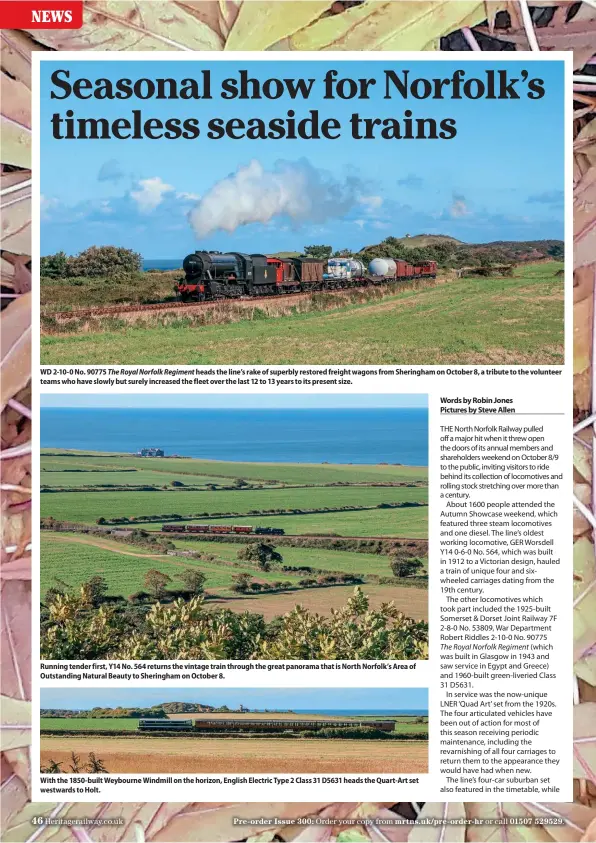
x,y
75,559
73,479
410,522
470,320
219,471
345,561
71,724
88,507
227,755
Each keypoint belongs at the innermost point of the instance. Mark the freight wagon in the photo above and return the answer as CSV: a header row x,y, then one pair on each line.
x,y
217,275
260,725
222,528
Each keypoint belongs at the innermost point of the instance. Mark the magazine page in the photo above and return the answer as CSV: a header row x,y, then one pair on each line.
x,y
296,480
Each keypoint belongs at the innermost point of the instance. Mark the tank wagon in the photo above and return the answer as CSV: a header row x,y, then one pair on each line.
x,y
344,272
216,275
222,528
259,725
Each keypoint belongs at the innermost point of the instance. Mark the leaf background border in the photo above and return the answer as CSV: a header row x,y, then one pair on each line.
x,y
267,25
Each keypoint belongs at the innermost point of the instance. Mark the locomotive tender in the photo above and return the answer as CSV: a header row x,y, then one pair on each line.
x,y
215,275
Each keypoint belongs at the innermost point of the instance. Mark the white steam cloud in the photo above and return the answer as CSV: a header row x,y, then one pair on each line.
x,y
292,188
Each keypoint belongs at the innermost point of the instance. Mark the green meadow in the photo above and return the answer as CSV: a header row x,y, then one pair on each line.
x,y
471,320
220,471
73,724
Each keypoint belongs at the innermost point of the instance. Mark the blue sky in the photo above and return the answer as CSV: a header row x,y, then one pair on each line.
x,y
343,699
501,177
236,402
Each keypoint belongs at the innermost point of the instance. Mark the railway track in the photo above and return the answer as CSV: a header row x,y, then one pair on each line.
x,y
177,305
296,536
113,310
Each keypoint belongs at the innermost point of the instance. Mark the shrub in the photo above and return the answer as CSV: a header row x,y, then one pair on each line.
x,y
155,582
95,589
138,597
53,266
189,630
261,553
405,567
193,580
105,262
240,582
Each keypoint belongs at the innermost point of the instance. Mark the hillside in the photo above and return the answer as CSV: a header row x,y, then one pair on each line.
x,y
182,707
520,250
449,252
420,240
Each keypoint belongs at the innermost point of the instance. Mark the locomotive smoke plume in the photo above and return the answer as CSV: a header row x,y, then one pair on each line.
x,y
292,188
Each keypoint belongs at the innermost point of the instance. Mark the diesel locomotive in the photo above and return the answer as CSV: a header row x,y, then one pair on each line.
x,y
215,275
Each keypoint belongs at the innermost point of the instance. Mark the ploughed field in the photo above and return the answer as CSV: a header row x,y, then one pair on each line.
x,y
75,558
515,319
150,754
413,602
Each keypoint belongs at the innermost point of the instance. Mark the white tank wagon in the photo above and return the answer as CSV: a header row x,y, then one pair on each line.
x,y
382,268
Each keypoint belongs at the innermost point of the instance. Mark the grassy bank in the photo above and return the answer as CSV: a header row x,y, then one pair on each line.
x,y
73,293
471,320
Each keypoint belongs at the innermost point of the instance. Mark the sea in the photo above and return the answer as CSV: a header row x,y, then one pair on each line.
x,y
161,263
359,436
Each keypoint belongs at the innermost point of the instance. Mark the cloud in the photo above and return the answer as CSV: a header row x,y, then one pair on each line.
x,y
380,225
458,207
252,194
188,197
359,223
411,181
549,197
110,171
150,193
371,203
46,203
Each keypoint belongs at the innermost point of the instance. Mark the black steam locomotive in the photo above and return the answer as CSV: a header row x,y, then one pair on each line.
x,y
213,275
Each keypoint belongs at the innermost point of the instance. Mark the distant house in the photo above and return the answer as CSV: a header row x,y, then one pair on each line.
x,y
151,452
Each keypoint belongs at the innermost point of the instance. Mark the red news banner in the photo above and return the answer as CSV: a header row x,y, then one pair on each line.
x,y
23,14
